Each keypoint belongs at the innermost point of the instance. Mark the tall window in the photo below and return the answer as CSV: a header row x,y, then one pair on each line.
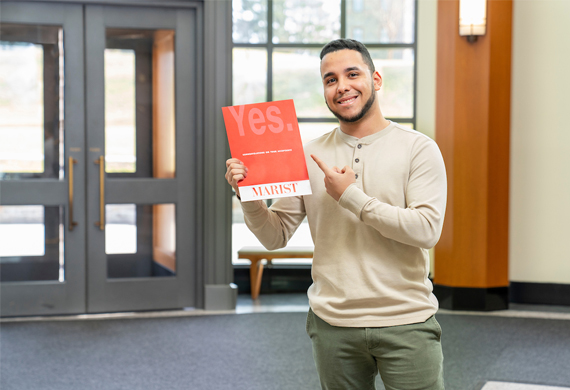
x,y
276,46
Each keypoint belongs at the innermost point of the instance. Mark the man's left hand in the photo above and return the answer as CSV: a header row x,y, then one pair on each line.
x,y
336,180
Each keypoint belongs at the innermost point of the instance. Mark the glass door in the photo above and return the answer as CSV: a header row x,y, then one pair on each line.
x,y
42,196
98,119
141,117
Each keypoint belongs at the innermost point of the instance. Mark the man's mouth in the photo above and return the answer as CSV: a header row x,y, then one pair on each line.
x,y
346,100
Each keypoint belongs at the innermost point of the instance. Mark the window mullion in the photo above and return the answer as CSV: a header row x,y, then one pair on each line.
x,y
414,108
269,61
343,18
269,72
269,50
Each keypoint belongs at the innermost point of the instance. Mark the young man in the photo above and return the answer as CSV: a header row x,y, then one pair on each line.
x,y
372,222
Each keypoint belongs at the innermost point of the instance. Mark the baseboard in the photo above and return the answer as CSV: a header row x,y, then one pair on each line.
x,y
476,299
220,296
298,279
540,293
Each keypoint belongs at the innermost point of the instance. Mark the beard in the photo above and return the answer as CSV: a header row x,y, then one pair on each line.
x,y
362,112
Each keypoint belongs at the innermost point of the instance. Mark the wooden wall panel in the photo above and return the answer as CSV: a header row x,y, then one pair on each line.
x,y
500,22
163,141
472,130
445,114
163,90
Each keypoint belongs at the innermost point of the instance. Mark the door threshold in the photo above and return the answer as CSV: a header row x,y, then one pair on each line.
x,y
186,312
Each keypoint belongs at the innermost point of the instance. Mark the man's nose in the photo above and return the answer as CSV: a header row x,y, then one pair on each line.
x,y
342,86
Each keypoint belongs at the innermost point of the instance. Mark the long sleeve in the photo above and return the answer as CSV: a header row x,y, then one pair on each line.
x,y
273,226
371,264
420,222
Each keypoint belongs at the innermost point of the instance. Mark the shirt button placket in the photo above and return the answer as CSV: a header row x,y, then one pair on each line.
x,y
358,164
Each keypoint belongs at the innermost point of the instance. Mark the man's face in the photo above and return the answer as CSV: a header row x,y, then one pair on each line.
x,y
350,88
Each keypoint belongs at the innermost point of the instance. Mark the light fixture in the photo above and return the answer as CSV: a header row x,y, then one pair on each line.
x,y
472,18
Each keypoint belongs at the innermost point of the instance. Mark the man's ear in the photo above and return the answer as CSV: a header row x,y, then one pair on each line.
x,y
377,79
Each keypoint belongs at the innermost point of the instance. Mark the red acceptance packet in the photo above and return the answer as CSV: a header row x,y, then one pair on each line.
x,y
266,138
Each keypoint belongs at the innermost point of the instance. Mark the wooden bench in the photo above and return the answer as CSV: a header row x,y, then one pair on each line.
x,y
257,253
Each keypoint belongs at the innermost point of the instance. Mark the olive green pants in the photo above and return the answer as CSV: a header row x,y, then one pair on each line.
x,y
408,357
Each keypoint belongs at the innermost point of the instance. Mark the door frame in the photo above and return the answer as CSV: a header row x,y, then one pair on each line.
x,y
213,199
87,288
54,297
147,293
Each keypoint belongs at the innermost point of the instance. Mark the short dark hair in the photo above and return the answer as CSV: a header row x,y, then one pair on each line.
x,y
349,44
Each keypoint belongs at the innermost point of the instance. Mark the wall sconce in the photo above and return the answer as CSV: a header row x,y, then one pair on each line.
x,y
472,18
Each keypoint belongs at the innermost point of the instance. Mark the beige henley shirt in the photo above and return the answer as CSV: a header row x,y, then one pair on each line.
x,y
371,263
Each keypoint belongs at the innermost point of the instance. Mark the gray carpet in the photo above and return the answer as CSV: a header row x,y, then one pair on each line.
x,y
255,352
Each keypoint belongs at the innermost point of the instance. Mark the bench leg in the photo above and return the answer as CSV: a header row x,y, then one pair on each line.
x,y
255,273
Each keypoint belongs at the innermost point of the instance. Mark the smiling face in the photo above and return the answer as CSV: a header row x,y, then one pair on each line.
x,y
349,86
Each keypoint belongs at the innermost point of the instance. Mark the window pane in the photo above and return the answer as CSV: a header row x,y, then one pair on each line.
x,y
249,21
242,237
140,240
310,131
296,75
140,121
306,21
120,228
120,107
249,76
396,66
31,247
31,101
380,21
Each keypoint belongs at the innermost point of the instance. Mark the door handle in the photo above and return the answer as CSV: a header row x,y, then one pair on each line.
x,y
71,161
101,222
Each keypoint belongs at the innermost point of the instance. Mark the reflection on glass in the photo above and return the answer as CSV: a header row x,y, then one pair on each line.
x,y
385,21
397,69
310,131
140,240
306,21
139,103
249,76
249,21
31,247
120,111
120,228
31,101
296,73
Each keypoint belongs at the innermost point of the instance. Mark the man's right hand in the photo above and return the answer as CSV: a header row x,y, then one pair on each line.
x,y
235,172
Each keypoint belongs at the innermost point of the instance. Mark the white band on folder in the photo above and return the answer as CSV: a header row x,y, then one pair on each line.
x,y
275,190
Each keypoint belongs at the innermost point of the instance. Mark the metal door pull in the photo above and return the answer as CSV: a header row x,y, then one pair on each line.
x,y
101,222
70,163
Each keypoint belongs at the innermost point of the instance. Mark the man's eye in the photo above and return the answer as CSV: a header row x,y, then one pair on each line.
x,y
353,74
331,80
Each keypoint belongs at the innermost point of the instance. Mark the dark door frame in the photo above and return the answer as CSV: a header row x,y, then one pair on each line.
x,y
213,269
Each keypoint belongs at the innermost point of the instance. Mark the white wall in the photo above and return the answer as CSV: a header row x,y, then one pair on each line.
x,y
426,66
540,143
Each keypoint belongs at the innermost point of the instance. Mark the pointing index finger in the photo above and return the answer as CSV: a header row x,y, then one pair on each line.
x,y
321,164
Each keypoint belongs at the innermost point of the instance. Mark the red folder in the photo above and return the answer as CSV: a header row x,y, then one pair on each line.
x,y
266,138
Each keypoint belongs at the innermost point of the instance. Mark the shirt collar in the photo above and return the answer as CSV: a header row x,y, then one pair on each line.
x,y
353,141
